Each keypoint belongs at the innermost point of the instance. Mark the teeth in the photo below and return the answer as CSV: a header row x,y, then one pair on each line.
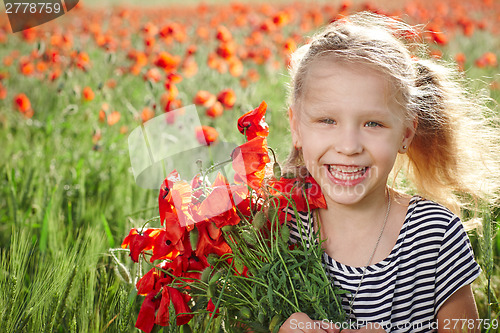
x,y
347,172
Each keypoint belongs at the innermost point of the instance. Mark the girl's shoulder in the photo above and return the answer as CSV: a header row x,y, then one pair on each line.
x,y
424,211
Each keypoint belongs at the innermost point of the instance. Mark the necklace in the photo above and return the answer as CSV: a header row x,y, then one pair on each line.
x,y
372,254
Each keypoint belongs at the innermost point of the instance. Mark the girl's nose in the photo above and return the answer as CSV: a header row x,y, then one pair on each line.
x,y
348,142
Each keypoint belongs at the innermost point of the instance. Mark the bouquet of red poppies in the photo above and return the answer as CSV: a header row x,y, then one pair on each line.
x,y
223,256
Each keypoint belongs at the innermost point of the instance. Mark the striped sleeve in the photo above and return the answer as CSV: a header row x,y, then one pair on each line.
x,y
456,266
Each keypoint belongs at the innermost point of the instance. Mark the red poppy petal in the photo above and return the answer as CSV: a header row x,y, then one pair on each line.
x,y
146,317
163,316
180,306
146,284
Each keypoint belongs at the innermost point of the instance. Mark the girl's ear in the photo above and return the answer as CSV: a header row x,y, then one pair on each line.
x,y
409,134
294,127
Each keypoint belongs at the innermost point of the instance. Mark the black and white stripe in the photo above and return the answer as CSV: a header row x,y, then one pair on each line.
x,y
432,258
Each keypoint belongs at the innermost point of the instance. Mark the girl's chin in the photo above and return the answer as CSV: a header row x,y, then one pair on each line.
x,y
344,195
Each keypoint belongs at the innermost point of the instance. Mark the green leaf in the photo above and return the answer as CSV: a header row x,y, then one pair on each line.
x,y
107,230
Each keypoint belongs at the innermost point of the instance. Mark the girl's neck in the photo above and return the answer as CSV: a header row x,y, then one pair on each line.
x,y
361,215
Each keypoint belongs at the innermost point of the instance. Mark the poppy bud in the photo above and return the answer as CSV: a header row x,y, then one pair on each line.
x,y
271,213
259,220
206,274
285,233
249,238
245,313
193,238
277,170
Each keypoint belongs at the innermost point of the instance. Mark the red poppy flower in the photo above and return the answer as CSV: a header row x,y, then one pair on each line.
x,y
167,61
210,241
227,97
147,283
169,242
88,94
22,102
206,135
252,123
204,98
295,190
139,241
219,207
249,162
165,198
215,110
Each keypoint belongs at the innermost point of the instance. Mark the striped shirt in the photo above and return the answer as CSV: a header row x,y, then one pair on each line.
x,y
432,258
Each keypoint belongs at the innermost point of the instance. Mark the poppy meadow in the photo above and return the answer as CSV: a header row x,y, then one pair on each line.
x,y
75,225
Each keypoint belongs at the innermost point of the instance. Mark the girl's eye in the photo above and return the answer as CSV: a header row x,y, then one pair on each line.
x,y
373,124
327,121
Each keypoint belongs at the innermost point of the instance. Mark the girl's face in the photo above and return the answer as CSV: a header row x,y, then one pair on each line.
x,y
350,130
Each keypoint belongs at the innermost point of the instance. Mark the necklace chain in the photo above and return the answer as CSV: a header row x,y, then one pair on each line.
x,y
373,253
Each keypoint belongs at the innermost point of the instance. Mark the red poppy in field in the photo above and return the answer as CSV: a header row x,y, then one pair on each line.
x,y
235,67
3,91
147,114
252,124
460,59
189,67
227,97
206,135
172,79
22,103
438,36
204,98
26,67
249,162
488,59
82,60
88,94
226,50
113,118
223,34
215,110
167,61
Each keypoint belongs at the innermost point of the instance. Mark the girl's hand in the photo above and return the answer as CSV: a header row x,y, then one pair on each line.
x,y
300,322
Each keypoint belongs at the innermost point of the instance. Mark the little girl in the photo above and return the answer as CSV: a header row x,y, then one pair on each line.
x,y
364,112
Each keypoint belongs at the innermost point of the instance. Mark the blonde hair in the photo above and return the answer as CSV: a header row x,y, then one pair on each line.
x,y
453,158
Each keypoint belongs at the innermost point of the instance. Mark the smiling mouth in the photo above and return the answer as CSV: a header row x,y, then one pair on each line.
x,y
347,172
